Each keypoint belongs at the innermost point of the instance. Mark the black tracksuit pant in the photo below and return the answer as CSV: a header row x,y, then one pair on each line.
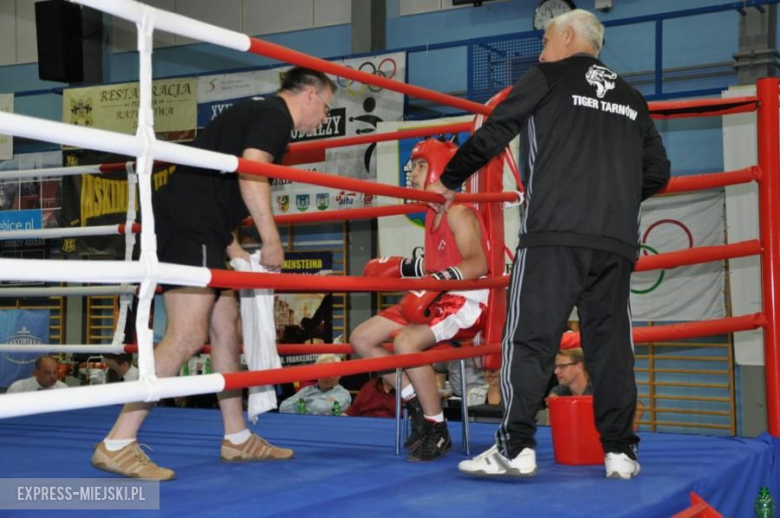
x,y
546,283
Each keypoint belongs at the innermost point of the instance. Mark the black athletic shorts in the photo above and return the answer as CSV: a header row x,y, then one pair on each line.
x,y
179,248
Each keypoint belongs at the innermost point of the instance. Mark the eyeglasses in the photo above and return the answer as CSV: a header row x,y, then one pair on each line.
x,y
562,365
327,106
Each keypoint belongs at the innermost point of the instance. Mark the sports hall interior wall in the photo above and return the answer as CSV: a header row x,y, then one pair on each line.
x,y
707,40
628,49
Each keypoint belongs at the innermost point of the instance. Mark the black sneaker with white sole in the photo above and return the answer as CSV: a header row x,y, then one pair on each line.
x,y
435,443
417,417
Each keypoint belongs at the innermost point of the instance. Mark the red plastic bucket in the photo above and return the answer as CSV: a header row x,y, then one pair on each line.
x,y
574,436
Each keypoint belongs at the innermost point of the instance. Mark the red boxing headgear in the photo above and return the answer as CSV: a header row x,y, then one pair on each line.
x,y
436,153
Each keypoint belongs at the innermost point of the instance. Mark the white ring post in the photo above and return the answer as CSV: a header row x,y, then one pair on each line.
x,y
125,299
144,163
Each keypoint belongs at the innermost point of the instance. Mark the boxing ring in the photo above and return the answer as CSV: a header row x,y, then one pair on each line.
x,y
323,477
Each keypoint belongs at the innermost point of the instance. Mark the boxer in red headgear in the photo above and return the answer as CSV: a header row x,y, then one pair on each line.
x,y
456,247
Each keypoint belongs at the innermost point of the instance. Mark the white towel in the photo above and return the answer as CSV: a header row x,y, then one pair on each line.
x,y
258,327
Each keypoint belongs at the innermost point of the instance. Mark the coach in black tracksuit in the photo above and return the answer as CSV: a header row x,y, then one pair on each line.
x,y
591,155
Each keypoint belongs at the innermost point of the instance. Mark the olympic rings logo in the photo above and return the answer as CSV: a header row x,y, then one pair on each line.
x,y
647,250
387,68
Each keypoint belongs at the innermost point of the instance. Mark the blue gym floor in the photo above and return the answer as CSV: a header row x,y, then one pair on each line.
x,y
346,466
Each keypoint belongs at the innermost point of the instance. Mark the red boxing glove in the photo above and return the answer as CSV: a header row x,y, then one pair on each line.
x,y
415,306
384,267
394,267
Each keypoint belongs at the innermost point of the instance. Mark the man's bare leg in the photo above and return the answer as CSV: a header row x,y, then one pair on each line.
x,y
188,311
226,357
239,444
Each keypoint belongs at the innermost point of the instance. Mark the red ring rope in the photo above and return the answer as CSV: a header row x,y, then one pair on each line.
x,y
271,50
701,254
339,182
316,145
238,380
712,180
688,330
344,214
646,334
702,107
314,283
662,333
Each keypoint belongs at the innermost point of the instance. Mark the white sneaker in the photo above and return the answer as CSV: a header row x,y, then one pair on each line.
x,y
620,465
492,464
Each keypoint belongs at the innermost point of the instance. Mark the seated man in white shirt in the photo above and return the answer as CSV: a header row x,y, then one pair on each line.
x,y
325,398
45,377
123,365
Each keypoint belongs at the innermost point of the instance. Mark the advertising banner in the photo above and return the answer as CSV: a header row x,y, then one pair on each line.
x,y
21,327
115,107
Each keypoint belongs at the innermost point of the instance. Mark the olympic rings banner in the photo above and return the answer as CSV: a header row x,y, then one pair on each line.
x,y
671,223
357,109
364,108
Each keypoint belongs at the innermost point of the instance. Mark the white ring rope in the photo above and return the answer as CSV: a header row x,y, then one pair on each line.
x,y
101,272
29,174
54,233
57,349
171,22
67,291
28,403
91,138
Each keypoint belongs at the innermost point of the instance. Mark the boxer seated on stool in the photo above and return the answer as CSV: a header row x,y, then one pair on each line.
x,y
456,248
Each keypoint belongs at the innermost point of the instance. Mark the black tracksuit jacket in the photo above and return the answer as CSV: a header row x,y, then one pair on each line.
x,y
590,151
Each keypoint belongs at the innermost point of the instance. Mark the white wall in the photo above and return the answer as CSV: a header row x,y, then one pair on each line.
x,y
253,17
740,150
408,7
17,32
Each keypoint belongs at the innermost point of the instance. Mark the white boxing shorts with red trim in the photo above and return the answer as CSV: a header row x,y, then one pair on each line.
x,y
456,313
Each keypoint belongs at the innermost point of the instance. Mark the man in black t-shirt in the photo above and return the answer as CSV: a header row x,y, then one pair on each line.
x,y
195,215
